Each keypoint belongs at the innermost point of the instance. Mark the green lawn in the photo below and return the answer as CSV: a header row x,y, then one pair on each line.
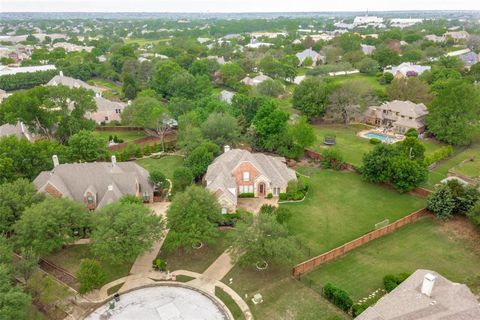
x,y
126,136
34,314
166,165
113,90
141,42
425,244
230,303
340,207
195,260
284,297
352,147
454,163
69,258
371,80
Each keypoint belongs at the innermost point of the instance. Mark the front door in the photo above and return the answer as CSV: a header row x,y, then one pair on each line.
x,y
261,189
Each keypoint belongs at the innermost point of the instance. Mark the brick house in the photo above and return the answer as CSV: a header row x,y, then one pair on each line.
x,y
239,171
96,184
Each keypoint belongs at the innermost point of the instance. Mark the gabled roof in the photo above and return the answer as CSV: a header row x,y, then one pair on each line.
x,y
406,108
407,67
109,181
18,130
448,301
308,53
72,83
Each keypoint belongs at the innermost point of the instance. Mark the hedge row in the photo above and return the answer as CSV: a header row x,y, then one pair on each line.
x,y
338,297
439,154
25,80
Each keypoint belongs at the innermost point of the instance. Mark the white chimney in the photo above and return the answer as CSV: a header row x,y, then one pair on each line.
x,y
98,95
110,187
114,160
226,148
427,285
56,163
61,73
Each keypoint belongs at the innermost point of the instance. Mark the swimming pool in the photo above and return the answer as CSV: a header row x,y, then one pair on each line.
x,y
382,137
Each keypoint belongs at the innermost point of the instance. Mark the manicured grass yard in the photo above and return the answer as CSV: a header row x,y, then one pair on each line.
x,y
340,207
230,303
126,136
371,80
166,164
69,258
352,147
425,244
284,297
195,260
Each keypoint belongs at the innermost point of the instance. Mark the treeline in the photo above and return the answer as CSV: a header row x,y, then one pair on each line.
x,y
25,80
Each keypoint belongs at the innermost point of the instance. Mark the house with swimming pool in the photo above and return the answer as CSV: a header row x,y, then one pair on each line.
x,y
397,116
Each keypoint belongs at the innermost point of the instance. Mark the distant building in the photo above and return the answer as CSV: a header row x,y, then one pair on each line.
x,y
368,21
226,96
398,115
254,44
469,59
457,35
319,37
95,184
434,38
407,69
312,54
255,81
18,130
404,23
367,49
425,295
270,35
70,47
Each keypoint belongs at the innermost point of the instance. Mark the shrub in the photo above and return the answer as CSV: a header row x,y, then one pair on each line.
x,y
411,133
90,275
159,264
282,196
147,150
474,214
375,141
283,215
358,308
332,159
267,209
269,195
338,297
439,154
246,195
391,281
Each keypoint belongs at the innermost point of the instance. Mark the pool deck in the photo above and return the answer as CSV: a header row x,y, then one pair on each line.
x,y
395,137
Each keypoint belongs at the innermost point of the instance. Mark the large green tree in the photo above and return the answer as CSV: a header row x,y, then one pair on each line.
x,y
86,146
221,128
123,230
192,218
270,125
48,225
455,112
412,89
311,97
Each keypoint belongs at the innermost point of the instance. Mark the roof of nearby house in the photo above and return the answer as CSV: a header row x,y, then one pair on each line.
x,y
308,53
107,105
406,108
457,34
72,83
469,58
4,70
367,49
110,181
219,174
255,81
18,130
448,301
407,67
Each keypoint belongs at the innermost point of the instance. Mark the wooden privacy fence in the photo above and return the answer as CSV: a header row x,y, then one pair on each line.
x,y
310,264
118,129
318,157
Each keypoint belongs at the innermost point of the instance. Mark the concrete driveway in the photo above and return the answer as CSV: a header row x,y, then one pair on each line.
x,y
254,204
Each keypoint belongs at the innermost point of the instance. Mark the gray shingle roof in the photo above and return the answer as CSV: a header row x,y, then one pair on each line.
x,y
18,130
448,301
109,181
72,83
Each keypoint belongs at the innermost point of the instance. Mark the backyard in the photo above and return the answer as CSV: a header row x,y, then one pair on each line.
x,y
126,136
426,244
69,258
330,217
352,146
166,165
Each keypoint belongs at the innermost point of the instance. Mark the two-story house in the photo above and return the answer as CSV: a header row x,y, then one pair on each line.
x,y
96,184
239,171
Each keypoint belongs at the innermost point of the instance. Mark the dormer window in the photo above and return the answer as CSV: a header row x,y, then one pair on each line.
x,y
246,176
90,199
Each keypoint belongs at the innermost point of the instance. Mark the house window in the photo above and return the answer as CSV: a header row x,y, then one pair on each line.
x,y
246,176
246,189
118,111
106,118
90,199
224,210
146,196
276,191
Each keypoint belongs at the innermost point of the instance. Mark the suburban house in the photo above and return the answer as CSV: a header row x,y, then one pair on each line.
x,y
4,70
398,115
239,171
367,49
434,38
107,110
96,184
469,59
255,81
309,53
457,35
70,47
407,70
425,295
18,130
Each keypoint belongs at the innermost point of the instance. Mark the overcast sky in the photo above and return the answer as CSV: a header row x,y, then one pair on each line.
x,y
231,5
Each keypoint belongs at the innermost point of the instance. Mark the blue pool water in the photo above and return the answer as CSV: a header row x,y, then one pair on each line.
x,y
379,136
